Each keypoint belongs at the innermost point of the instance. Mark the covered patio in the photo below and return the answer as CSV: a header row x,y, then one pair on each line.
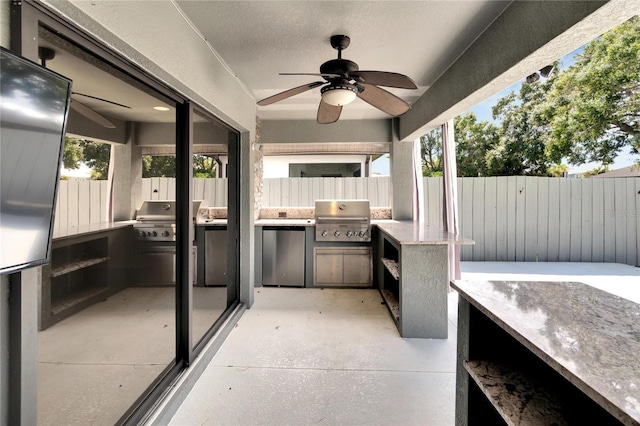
x,y
335,356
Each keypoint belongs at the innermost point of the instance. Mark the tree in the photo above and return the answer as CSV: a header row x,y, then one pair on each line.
x,y
524,132
431,151
204,166
473,142
594,107
94,154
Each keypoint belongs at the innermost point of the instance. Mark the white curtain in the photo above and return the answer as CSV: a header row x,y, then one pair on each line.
x,y
450,202
418,197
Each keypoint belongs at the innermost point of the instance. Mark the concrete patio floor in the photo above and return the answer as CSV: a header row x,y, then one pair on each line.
x,y
313,356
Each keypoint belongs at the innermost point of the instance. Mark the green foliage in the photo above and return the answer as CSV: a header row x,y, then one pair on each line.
x,y
158,166
94,154
474,141
594,107
204,166
431,151
588,112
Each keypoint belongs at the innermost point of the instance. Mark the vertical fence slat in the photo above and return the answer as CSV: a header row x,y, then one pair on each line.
x,y
520,225
466,216
630,217
620,208
72,219
597,220
501,218
564,242
531,219
490,212
63,214
84,202
553,231
95,193
576,220
511,208
586,209
609,221
478,217
543,220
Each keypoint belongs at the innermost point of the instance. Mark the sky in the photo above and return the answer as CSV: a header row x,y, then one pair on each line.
x,y
483,113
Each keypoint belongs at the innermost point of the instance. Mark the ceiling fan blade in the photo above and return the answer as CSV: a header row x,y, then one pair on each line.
x,y
100,99
388,79
328,113
383,100
311,73
91,114
288,93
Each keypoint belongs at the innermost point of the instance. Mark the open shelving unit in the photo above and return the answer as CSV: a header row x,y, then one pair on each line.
x,y
508,384
83,270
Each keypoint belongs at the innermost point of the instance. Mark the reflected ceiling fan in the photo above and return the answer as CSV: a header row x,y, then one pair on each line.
x,y
344,82
46,54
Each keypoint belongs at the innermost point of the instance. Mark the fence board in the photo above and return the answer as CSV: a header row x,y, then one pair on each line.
x,y
72,207
636,212
501,218
95,194
576,220
521,217
512,195
553,217
586,231
84,202
466,219
630,217
531,219
609,221
564,222
63,211
597,220
620,208
542,233
490,211
478,217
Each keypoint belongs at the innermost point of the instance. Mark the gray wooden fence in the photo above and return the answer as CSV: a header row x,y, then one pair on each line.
x,y
513,218
532,219
81,202
303,192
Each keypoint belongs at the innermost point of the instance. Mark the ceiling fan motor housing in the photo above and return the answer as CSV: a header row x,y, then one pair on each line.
x,y
339,66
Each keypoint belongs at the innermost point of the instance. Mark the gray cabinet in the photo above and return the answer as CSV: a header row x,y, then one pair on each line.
x,y
215,248
283,257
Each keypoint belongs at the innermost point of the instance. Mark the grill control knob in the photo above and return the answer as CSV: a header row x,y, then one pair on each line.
x,y
337,233
153,233
360,234
325,233
165,233
141,234
349,234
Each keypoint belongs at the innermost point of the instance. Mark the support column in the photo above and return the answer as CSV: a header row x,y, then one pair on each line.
x,y
246,219
402,180
23,347
127,178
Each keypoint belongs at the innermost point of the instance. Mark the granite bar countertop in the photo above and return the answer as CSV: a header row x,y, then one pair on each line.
x,y
75,231
589,336
416,233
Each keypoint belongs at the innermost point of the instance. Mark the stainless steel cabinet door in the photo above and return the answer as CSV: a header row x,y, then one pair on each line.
x,y
283,257
328,267
357,267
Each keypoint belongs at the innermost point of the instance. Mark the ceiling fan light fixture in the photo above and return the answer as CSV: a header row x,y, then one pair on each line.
x,y
161,108
532,78
339,94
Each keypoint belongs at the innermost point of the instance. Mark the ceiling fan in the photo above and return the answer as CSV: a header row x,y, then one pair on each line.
x,y
344,82
45,54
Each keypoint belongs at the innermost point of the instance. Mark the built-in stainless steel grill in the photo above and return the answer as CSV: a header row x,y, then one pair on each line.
x,y
343,220
156,220
155,250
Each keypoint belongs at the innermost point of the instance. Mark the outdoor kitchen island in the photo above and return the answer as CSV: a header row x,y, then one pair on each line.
x,y
546,353
412,261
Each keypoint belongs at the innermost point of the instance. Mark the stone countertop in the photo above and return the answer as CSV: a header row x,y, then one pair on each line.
x,y
415,233
76,231
589,336
213,222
